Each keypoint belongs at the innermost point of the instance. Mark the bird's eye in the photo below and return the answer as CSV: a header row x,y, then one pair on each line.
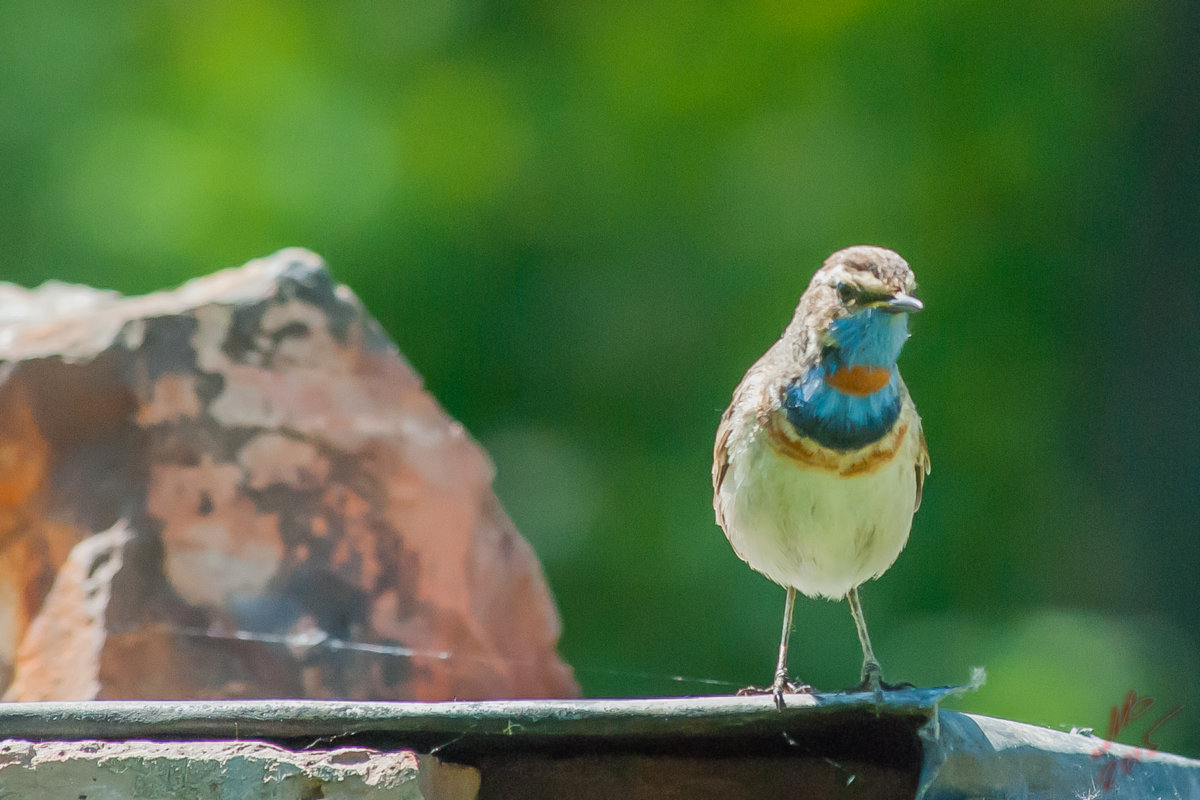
x,y
848,292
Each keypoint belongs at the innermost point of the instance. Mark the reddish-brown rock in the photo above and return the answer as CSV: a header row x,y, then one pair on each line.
x,y
240,489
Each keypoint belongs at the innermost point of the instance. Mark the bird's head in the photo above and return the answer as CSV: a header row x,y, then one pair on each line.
x,y
856,308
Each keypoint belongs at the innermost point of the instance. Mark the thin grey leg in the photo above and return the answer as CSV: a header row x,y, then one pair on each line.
x,y
872,675
781,680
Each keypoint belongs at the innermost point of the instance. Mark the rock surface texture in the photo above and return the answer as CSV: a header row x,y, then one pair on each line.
x,y
240,489
141,770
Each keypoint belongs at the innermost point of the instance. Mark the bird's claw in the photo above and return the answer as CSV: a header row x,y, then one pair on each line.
x,y
778,689
879,684
872,681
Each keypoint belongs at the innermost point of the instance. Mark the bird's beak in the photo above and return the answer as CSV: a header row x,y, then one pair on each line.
x,y
900,303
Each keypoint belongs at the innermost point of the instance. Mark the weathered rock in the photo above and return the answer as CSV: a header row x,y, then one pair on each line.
x,y
240,489
140,770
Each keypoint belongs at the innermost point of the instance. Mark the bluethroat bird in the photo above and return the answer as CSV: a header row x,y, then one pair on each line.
x,y
820,459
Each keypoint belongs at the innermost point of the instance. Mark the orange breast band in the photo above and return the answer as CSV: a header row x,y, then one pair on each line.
x,y
859,380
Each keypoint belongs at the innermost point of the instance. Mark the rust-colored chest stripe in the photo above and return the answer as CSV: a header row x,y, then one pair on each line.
x,y
859,380
810,454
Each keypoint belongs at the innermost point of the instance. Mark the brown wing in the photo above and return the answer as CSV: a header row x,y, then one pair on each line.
x,y
721,462
748,398
922,467
747,391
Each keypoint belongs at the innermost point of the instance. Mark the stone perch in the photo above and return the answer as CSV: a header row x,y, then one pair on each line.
x,y
240,489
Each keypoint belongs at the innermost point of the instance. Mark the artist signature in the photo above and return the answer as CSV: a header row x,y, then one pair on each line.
x,y
1121,717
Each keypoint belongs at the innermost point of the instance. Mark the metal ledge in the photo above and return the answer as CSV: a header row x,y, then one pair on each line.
x,y
585,748
727,724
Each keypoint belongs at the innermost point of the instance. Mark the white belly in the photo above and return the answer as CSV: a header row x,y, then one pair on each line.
x,y
815,530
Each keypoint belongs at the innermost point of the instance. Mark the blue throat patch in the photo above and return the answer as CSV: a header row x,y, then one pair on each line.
x,y
842,421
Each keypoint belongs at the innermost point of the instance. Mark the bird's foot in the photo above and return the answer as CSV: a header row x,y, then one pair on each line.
x,y
872,681
778,689
868,686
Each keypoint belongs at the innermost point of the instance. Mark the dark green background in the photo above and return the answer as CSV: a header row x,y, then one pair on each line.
x,y
583,221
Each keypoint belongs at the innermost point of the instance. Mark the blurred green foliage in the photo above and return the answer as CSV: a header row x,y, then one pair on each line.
x,y
583,221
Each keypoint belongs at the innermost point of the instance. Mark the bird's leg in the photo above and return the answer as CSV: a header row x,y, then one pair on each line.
x,y
780,684
872,674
